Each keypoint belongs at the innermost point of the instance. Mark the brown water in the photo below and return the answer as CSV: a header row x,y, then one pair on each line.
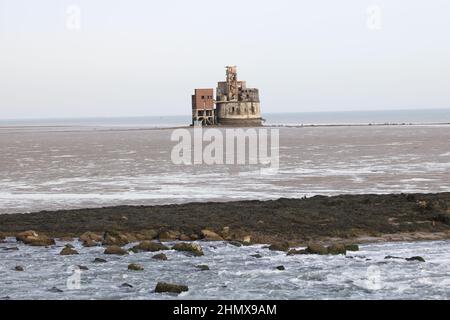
x,y
47,168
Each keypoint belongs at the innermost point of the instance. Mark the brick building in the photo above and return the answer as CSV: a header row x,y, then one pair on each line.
x,y
235,104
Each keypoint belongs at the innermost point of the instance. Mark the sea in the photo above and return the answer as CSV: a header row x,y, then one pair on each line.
x,y
414,116
234,273
52,164
78,163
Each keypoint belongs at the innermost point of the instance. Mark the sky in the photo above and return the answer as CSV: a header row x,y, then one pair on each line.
x,y
111,58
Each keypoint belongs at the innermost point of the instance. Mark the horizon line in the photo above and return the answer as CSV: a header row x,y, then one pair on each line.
x,y
187,115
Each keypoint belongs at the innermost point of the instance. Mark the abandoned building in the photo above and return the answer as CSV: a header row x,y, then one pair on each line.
x,y
203,107
235,104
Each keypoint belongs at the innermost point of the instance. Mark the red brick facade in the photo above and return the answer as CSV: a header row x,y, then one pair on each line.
x,y
203,99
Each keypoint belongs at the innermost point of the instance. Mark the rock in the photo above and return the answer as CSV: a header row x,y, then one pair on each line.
x,y
235,243
163,287
126,285
69,246
281,268
55,290
294,252
147,235
191,248
42,241
23,235
149,246
99,260
337,249
91,237
160,256
194,237
315,248
240,236
352,247
245,240
257,256
168,235
209,235
392,257
67,251
11,249
112,238
225,233
91,243
151,234
115,250
34,239
202,267
420,259
19,268
184,237
279,246
83,268
131,237
135,267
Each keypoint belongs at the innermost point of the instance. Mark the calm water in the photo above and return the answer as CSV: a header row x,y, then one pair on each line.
x,y
44,169
298,118
234,273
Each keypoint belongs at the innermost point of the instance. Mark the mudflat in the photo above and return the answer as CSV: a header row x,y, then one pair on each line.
x,y
72,168
362,218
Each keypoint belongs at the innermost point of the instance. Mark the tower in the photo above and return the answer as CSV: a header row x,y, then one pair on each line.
x,y
232,83
237,105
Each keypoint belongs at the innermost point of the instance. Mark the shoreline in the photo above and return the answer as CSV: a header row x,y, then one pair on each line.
x,y
336,219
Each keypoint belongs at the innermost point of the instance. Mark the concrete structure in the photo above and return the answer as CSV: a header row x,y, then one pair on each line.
x,y
236,105
203,112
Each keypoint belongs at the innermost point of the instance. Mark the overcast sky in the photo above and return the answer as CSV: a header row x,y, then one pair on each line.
x,y
138,58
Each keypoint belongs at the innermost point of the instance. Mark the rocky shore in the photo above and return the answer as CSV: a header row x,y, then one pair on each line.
x,y
345,219
149,237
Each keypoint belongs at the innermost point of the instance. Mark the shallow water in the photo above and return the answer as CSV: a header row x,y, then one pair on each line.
x,y
54,168
233,274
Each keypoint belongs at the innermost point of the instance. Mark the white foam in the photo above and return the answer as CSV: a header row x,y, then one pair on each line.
x,y
234,274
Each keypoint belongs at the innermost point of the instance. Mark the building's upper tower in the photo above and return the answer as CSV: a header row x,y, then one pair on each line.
x,y
232,83
236,104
